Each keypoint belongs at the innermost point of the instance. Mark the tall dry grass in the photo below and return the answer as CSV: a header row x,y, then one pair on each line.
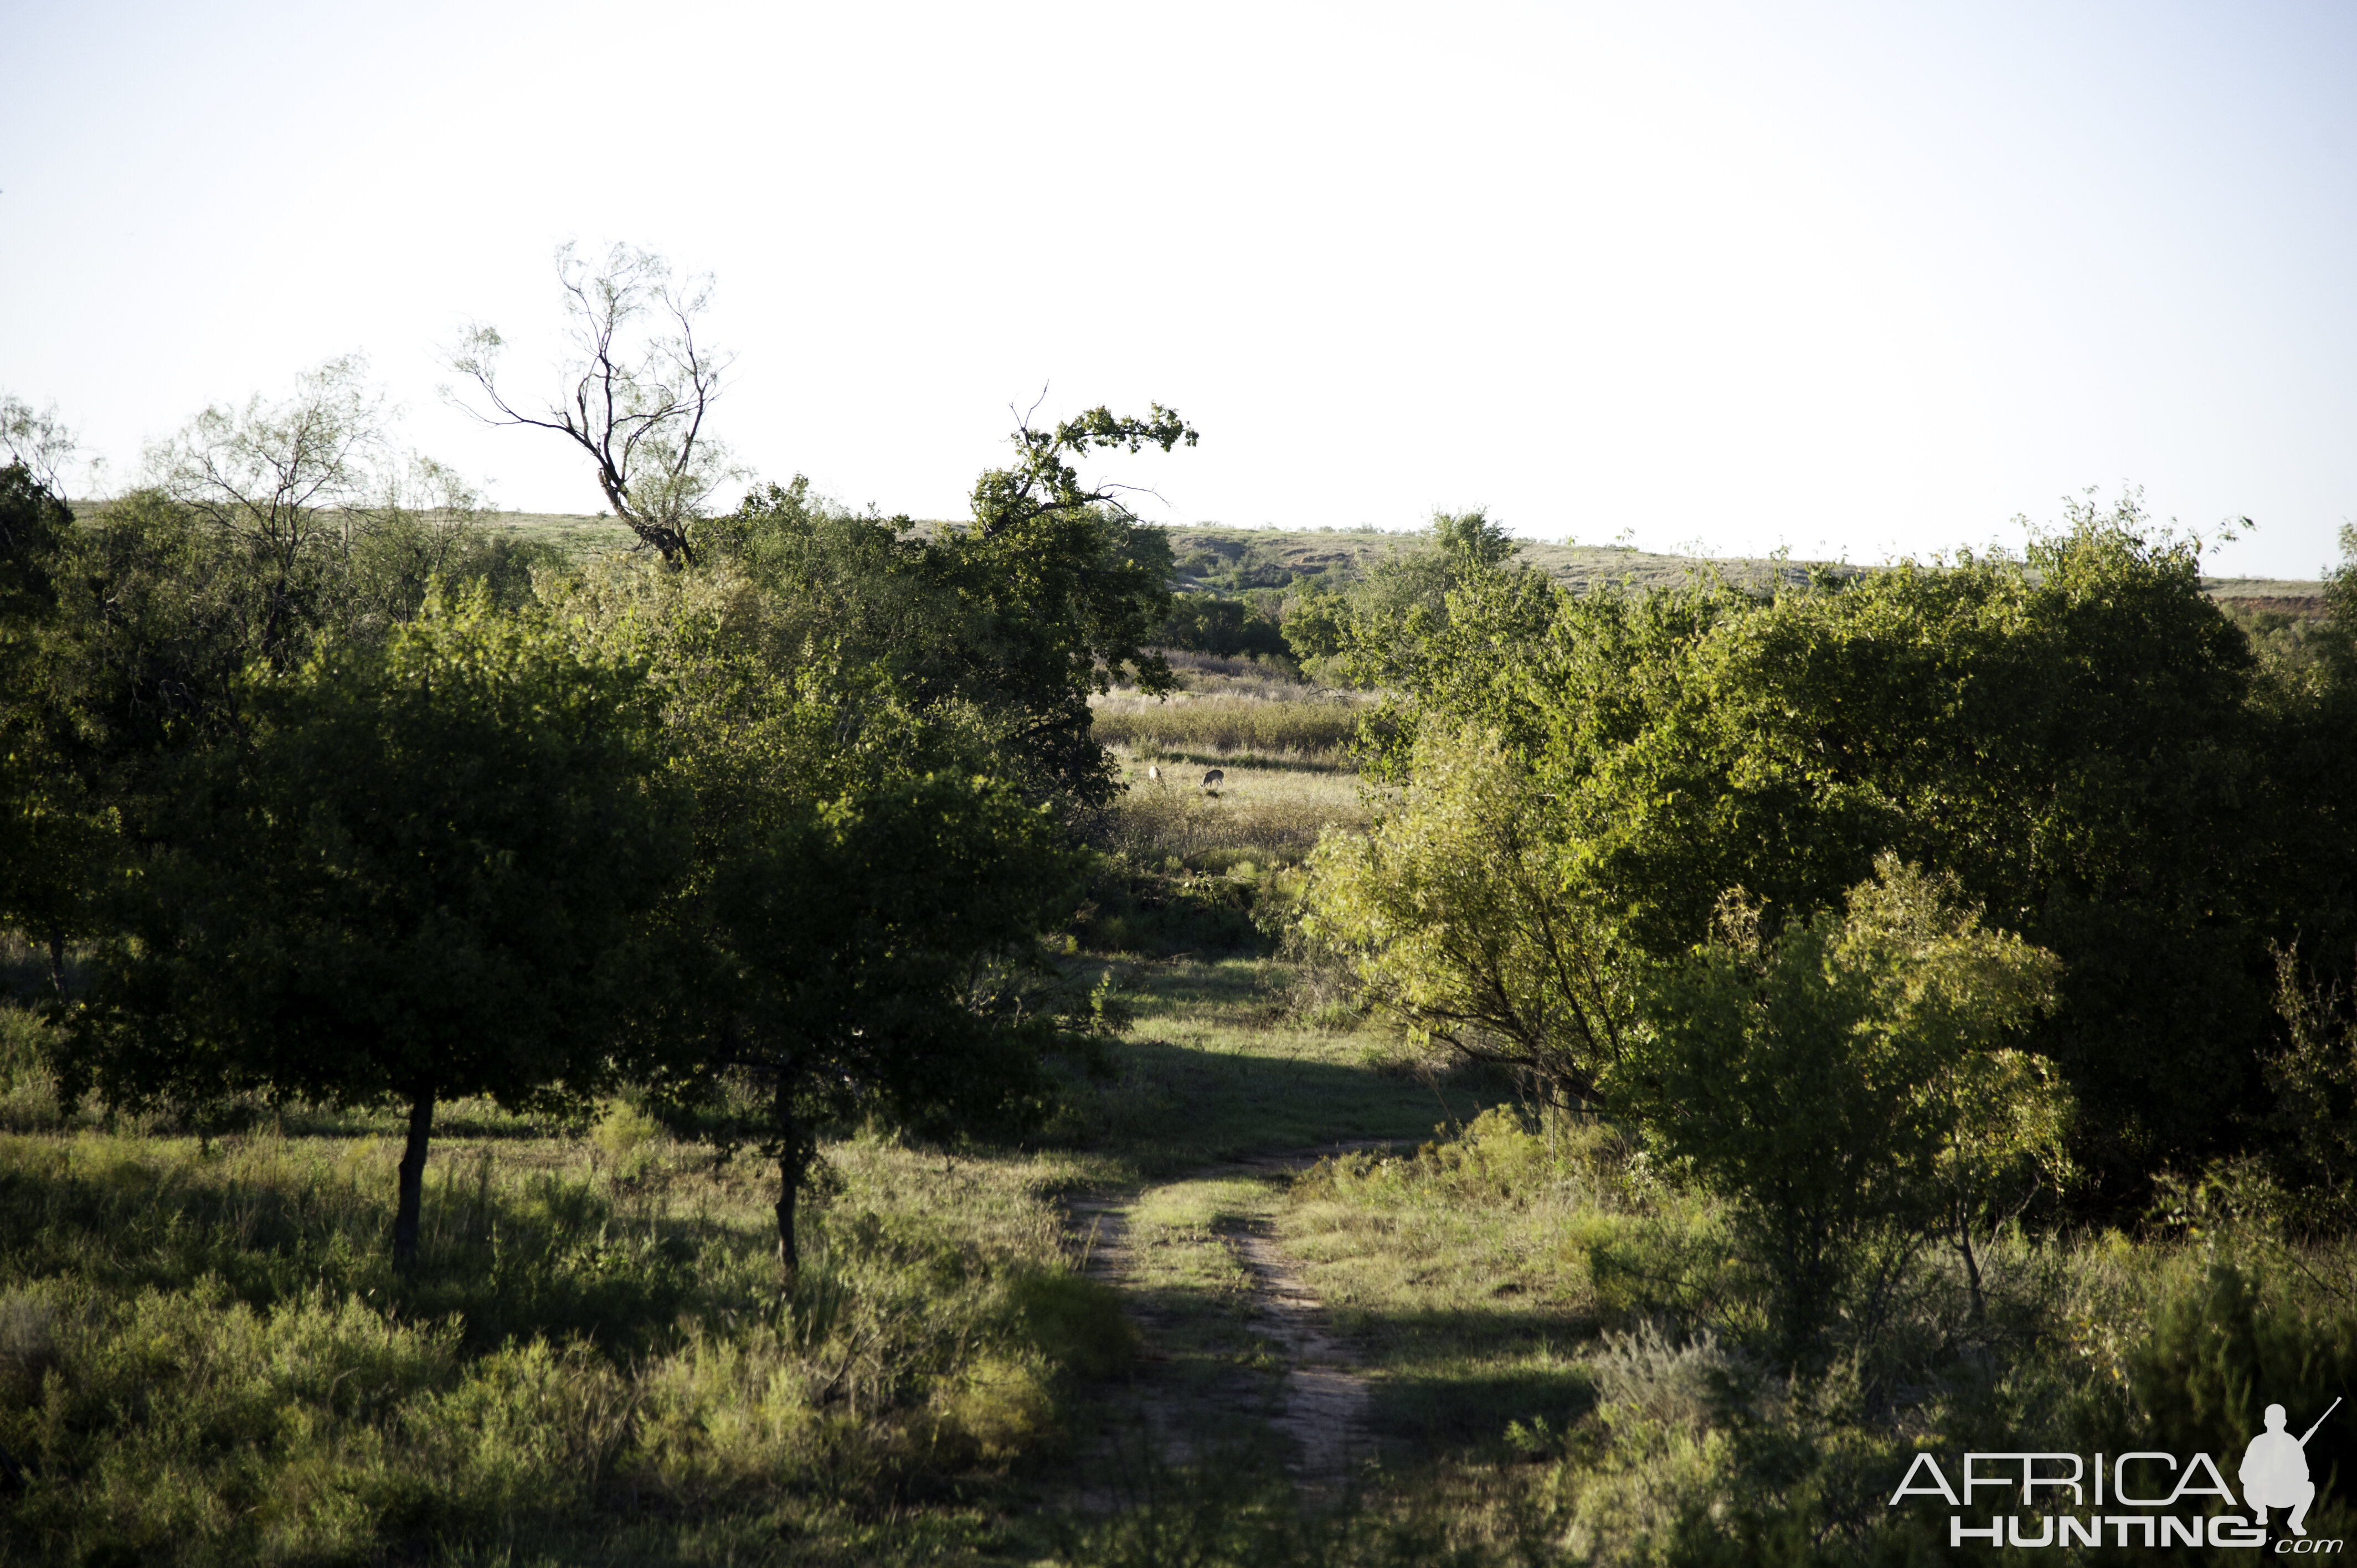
x,y
1220,726
1270,814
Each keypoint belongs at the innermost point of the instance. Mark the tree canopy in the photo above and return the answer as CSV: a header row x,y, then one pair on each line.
x,y
421,875
2076,735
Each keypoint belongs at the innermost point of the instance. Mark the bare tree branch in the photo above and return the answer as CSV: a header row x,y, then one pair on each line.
x,y
638,414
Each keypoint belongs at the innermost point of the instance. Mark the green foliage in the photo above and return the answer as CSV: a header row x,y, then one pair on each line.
x,y
2078,736
2310,1148
206,1358
1076,1320
1459,917
44,825
1385,629
2221,1349
421,878
877,953
2338,637
1848,1088
1051,595
1207,623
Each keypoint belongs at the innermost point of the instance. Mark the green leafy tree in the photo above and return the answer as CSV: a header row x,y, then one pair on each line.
x,y
1385,627
1208,623
420,877
879,956
1855,1087
128,628
2078,736
45,834
1469,921
1054,591
858,932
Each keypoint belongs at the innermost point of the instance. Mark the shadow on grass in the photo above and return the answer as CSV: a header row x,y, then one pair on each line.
x,y
1440,1415
1167,1109
1327,761
551,1256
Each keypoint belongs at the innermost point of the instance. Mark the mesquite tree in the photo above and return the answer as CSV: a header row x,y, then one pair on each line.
x,y
420,878
641,387
878,955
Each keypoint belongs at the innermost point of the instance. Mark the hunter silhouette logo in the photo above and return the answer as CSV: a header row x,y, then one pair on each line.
x,y
2144,1498
2274,1471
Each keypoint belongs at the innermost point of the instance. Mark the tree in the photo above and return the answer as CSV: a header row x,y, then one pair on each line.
x,y
856,932
334,524
45,831
1468,922
38,441
639,398
1208,623
879,955
421,877
1385,627
1052,594
283,479
1061,589
2077,735
1852,1088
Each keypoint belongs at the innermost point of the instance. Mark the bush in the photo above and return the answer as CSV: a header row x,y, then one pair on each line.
x,y
28,1084
205,1356
2219,1351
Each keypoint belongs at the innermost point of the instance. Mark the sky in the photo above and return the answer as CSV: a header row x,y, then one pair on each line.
x,y
1855,280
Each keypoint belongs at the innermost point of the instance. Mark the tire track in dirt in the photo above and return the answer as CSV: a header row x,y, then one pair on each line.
x,y
1324,1407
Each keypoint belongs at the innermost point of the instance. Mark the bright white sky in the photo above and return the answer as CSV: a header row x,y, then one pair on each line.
x,y
1859,278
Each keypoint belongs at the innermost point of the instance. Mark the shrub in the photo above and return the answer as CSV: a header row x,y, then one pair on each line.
x,y
28,1084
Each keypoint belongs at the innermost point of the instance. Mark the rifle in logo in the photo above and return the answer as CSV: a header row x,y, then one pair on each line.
x,y
2274,1471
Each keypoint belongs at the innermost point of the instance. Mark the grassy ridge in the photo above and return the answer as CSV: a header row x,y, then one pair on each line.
x,y
1300,554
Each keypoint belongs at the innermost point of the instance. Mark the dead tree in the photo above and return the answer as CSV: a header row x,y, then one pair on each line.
x,y
638,402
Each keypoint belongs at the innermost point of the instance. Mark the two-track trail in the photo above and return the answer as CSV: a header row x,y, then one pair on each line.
x,y
1236,1351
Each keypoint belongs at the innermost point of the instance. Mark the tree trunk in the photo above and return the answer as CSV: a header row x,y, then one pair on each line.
x,y
413,1182
1972,1265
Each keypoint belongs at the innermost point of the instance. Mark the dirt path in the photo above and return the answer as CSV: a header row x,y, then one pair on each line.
x,y
1319,1405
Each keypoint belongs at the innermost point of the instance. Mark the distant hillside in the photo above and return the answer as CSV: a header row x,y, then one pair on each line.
x,y
1233,560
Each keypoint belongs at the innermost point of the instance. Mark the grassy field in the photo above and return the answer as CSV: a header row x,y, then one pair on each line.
x,y
1054,1352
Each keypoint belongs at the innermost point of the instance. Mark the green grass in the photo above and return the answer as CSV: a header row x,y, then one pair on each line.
x,y
206,1357
1212,1071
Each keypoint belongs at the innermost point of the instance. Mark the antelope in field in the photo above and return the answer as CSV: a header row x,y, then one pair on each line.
x,y
1214,776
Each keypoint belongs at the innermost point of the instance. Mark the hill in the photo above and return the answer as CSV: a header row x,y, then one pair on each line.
x,y
1235,560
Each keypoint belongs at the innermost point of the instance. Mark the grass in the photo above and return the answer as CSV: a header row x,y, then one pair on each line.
x,y
205,1357
1311,729
1212,1071
1266,810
